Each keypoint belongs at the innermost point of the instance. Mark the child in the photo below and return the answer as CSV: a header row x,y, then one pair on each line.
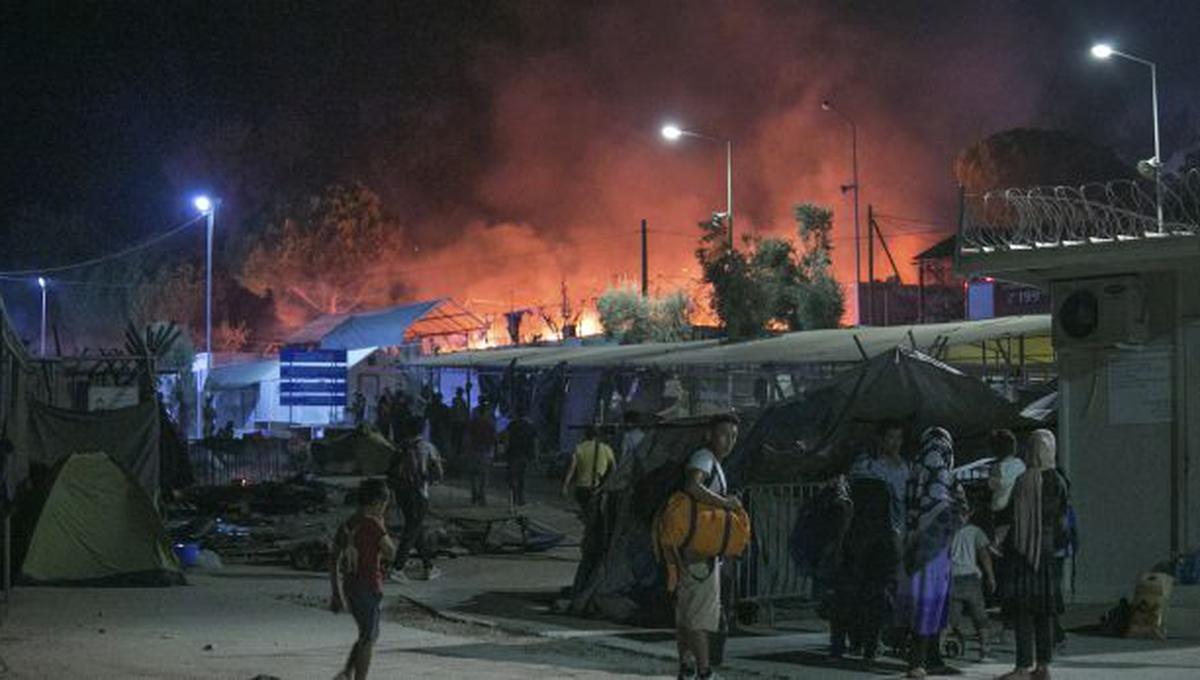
x,y
971,571
361,552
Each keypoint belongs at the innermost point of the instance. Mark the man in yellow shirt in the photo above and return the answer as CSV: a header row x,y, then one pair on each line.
x,y
592,462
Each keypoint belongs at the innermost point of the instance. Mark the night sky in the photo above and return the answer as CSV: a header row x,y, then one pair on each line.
x,y
526,132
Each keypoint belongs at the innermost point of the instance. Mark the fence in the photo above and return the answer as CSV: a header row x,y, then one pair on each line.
x,y
219,462
1040,217
767,573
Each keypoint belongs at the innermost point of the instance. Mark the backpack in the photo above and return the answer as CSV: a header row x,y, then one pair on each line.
x,y
404,468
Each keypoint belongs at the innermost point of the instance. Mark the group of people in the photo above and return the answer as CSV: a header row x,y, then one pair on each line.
x,y
908,556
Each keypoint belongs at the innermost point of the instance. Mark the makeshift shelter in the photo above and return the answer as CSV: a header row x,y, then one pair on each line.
x,y
900,384
96,527
130,435
362,451
618,577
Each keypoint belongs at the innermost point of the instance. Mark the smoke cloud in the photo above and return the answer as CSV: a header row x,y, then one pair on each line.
x,y
574,159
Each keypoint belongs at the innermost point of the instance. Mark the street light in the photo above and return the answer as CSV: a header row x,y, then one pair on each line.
x,y
208,208
1104,51
42,284
672,132
828,106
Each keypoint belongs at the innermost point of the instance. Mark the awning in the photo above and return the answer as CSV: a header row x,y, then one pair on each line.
x,y
838,345
243,375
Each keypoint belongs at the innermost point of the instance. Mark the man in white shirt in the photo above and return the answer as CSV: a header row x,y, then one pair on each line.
x,y
698,594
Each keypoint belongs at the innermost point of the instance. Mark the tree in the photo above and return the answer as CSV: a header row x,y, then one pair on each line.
x,y
171,293
822,302
1030,157
769,284
316,254
628,316
737,297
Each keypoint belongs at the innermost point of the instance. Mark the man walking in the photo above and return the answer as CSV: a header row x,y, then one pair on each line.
x,y
698,592
481,447
522,448
415,462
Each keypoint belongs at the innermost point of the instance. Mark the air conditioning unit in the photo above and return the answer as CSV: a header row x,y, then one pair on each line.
x,y
1100,312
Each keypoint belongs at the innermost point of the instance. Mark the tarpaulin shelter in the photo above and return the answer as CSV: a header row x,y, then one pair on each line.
x,y
901,384
97,527
130,435
361,451
388,327
618,577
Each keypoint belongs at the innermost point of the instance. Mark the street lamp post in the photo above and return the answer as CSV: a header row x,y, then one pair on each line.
x,y
674,132
207,207
828,106
1103,51
42,284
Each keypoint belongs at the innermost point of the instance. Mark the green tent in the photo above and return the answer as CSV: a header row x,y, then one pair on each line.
x,y
98,527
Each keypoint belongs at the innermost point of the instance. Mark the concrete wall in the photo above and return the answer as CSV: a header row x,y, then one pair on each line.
x,y
1124,474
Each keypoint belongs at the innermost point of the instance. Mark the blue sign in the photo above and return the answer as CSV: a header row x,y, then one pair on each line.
x,y
312,377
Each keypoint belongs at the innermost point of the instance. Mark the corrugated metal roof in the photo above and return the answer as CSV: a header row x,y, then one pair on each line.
x,y
489,357
612,355
837,345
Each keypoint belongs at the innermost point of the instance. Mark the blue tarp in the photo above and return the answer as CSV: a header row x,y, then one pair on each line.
x,y
382,328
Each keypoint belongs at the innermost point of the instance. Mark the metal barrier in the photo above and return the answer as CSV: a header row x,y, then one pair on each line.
x,y
767,572
220,462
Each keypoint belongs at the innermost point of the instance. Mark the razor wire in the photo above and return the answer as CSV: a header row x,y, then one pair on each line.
x,y
1099,212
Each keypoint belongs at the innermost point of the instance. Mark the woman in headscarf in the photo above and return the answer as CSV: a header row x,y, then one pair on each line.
x,y
1034,580
934,514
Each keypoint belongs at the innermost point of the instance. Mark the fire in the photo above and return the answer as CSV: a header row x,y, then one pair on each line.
x,y
589,324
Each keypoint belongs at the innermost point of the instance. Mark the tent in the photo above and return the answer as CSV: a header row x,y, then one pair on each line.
x,y
130,435
362,451
97,527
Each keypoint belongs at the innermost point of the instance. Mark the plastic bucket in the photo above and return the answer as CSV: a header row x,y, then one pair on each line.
x,y
187,553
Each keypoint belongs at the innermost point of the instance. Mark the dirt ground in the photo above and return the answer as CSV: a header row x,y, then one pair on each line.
x,y
247,621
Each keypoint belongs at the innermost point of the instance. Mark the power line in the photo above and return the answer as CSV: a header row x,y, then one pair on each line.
x,y
107,258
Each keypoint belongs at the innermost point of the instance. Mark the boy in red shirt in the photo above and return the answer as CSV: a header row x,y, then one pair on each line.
x,y
361,552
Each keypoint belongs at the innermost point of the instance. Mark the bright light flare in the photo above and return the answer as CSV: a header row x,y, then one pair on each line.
x,y
1102,51
203,204
672,132
41,282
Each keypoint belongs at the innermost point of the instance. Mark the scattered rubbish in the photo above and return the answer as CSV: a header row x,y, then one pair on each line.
x,y
1150,598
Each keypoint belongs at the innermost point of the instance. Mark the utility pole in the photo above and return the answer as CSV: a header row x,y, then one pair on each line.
x,y
645,268
870,265
873,231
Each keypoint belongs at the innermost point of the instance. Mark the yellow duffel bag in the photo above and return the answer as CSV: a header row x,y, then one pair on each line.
x,y
686,527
